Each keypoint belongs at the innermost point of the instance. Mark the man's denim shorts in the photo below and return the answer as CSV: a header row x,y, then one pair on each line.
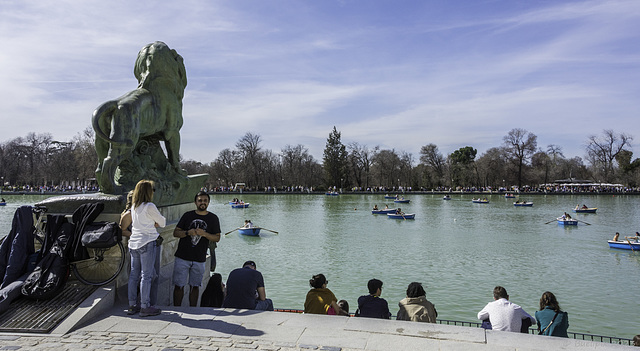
x,y
191,270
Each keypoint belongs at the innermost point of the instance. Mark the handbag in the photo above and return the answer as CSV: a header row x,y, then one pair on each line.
x,y
101,235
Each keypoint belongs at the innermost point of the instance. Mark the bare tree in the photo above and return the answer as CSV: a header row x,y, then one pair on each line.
x,y
520,145
435,163
360,160
225,167
492,167
297,166
386,166
249,150
602,151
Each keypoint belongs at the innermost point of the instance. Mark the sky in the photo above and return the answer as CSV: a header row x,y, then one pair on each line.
x,y
396,74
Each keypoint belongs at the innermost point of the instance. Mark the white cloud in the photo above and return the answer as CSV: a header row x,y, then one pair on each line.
x,y
453,74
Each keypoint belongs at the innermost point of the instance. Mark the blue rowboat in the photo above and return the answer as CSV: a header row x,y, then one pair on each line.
x,y
479,201
509,196
624,244
3,204
567,221
332,193
586,210
253,231
385,211
446,197
390,197
523,204
242,205
401,201
401,216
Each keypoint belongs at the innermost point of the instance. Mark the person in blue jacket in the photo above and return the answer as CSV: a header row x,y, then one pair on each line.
x,y
551,320
372,305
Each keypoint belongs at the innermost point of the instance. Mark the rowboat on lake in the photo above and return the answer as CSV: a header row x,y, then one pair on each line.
x,y
401,215
384,211
240,205
585,209
401,201
332,193
480,201
446,197
391,196
252,231
509,196
624,244
3,204
523,204
567,221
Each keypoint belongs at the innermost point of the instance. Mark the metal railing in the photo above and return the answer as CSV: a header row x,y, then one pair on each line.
x,y
577,336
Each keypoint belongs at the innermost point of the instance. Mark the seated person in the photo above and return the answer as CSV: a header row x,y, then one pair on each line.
x,y
375,207
321,300
503,314
344,305
372,305
551,320
245,289
415,307
247,224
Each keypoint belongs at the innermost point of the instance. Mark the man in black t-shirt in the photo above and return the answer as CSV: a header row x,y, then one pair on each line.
x,y
196,229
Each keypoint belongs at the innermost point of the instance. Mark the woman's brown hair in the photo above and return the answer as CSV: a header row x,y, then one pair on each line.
x,y
143,192
549,299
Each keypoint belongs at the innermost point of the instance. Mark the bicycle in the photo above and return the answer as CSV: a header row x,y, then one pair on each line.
x,y
101,266
39,226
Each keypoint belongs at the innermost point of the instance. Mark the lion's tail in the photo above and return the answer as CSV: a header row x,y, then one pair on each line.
x,y
103,111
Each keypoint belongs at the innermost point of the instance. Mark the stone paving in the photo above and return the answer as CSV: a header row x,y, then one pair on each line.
x,y
194,328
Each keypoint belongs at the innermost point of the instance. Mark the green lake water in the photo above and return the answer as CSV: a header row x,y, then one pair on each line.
x,y
459,250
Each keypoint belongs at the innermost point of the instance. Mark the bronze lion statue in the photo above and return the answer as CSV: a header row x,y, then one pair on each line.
x,y
153,110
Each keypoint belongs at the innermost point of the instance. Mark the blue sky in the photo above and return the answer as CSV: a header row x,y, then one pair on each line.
x,y
395,74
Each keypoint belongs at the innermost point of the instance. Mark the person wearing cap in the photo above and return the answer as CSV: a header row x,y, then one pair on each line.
x,y
245,289
372,305
196,230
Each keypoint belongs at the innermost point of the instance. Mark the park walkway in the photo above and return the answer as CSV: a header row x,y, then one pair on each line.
x,y
199,328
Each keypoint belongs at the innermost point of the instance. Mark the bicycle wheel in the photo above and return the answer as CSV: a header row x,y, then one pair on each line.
x,y
102,267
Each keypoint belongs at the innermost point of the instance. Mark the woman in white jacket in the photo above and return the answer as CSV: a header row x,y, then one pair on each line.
x,y
142,247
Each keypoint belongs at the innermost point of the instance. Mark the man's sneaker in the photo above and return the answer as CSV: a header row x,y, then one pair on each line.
x,y
133,310
150,311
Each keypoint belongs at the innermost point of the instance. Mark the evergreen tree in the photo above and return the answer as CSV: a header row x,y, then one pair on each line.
x,y
335,160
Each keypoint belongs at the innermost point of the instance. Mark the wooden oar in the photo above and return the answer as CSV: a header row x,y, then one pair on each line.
x,y
631,246
269,230
231,231
552,221
582,221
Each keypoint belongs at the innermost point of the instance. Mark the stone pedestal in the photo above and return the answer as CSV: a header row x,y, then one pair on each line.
x,y
114,205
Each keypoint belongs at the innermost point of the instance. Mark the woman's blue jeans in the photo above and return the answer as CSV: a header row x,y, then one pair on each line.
x,y
143,271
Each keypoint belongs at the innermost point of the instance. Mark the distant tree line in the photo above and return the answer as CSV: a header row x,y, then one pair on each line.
x,y
38,160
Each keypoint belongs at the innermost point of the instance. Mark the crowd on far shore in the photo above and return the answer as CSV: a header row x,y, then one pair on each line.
x,y
529,190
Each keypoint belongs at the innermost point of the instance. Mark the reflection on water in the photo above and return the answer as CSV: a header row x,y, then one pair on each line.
x,y
458,249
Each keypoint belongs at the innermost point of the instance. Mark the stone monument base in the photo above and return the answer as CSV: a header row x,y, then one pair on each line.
x,y
114,205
